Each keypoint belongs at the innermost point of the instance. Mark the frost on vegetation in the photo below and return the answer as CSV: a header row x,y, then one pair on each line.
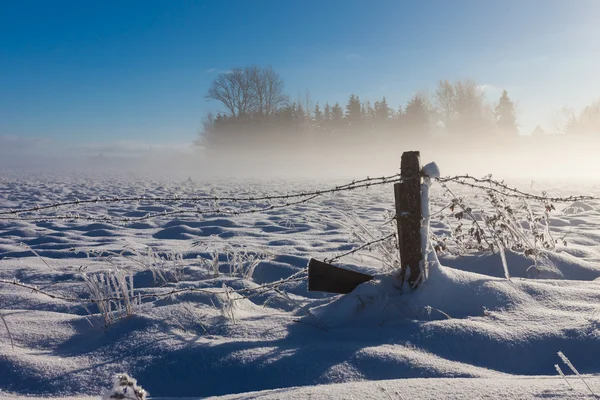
x,y
125,387
561,373
228,305
165,268
502,222
113,293
377,299
237,261
12,343
574,370
380,246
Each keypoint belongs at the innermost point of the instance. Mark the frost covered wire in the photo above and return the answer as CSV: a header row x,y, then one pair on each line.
x,y
197,212
305,196
359,248
505,190
456,201
93,300
139,297
504,218
103,298
289,199
296,277
300,275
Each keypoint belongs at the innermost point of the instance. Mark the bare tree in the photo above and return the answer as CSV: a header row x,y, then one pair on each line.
x,y
252,90
462,106
588,121
444,97
260,89
235,90
468,98
563,119
272,89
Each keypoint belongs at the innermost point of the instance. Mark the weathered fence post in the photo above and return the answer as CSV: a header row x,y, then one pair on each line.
x,y
329,278
407,195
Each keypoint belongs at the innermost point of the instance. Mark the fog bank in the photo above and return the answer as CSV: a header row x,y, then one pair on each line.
x,y
548,157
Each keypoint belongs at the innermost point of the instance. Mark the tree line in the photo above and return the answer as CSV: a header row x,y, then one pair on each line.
x,y
256,110
585,122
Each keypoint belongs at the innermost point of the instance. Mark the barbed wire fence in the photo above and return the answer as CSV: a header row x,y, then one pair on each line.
x,y
287,200
510,219
500,226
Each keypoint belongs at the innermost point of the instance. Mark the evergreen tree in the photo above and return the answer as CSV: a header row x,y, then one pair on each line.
x,y
354,110
318,123
299,114
506,120
416,117
285,117
337,114
382,110
369,112
327,112
397,119
318,114
588,121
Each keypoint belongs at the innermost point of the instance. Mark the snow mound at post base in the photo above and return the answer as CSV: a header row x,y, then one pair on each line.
x,y
447,294
502,326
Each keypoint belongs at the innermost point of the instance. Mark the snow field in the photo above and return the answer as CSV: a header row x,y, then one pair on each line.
x,y
467,321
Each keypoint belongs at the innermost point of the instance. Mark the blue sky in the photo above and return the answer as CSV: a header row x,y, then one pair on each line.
x,y
100,71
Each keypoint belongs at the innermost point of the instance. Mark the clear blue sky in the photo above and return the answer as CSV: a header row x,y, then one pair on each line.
x,y
100,71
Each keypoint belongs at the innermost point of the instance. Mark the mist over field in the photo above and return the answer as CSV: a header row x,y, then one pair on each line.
x,y
260,131
524,158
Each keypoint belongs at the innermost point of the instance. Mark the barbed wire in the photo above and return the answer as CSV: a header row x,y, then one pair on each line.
x,y
486,184
299,276
353,185
90,300
197,212
505,190
250,292
262,289
456,201
359,248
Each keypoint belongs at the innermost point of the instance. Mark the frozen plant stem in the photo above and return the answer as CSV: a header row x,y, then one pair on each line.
x,y
572,367
563,375
12,343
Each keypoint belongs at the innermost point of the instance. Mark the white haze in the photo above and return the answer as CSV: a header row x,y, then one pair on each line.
x,y
525,158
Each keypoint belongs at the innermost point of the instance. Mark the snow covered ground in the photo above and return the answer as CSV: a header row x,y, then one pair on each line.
x,y
467,333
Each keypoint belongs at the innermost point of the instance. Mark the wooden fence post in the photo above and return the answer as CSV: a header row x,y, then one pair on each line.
x,y
408,215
